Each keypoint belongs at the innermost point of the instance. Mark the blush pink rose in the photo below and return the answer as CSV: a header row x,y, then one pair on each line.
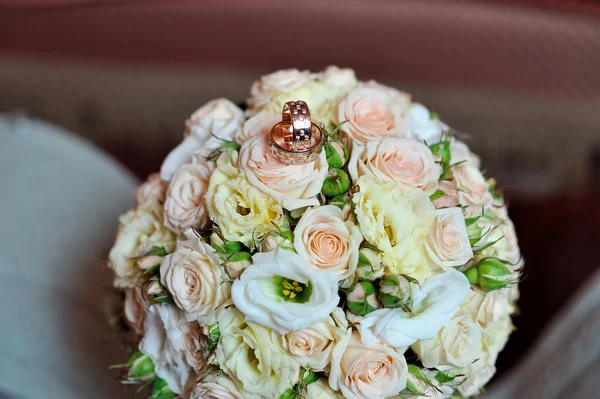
x,y
257,125
153,189
473,189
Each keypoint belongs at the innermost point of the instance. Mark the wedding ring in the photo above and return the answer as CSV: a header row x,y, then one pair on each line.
x,y
297,114
292,153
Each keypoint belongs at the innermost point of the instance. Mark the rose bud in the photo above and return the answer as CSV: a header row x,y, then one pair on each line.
x,y
337,183
141,367
494,274
156,289
362,298
369,266
394,291
161,390
336,154
217,243
146,262
237,263
283,239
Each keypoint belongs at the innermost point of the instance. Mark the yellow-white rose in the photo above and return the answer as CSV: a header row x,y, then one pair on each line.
x,y
278,83
373,112
362,371
241,211
184,205
472,187
140,230
252,355
455,346
407,162
153,189
321,390
217,386
396,222
257,125
294,186
312,346
447,243
322,238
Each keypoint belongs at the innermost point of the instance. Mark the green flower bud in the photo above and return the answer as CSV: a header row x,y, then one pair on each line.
x,y
369,266
494,274
161,390
337,183
472,275
141,367
289,394
362,298
394,291
336,154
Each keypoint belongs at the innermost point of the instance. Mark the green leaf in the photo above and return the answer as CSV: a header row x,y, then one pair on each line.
x,y
448,376
289,394
233,246
486,246
472,221
333,157
433,116
442,149
412,388
410,279
417,372
240,257
230,145
161,390
158,251
163,299
363,260
310,377
438,194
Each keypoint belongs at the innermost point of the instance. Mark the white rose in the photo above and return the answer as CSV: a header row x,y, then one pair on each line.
x,y
257,125
493,308
455,346
373,371
294,186
321,390
276,83
326,242
195,278
423,126
476,375
282,291
374,112
184,205
164,342
435,302
216,386
339,80
472,187
312,346
134,308
140,231
153,189
407,162
447,243
253,357
205,131
496,336
459,152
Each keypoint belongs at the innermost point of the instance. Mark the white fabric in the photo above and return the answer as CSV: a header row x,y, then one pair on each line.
x,y
59,203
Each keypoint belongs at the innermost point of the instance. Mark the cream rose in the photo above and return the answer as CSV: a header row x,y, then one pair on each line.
x,y
493,308
217,386
373,112
153,189
184,205
406,162
395,222
196,280
252,355
496,336
312,346
339,81
274,84
280,290
241,211
164,341
435,302
294,186
447,243
476,375
140,231
455,346
424,126
326,242
205,131
258,125
134,308
459,152
472,187
362,371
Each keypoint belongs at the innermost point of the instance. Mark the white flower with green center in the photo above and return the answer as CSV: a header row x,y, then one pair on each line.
x,y
280,290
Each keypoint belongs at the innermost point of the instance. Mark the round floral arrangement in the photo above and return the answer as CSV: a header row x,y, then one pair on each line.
x,y
387,267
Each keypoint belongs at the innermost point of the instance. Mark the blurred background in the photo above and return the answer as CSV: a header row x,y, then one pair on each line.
x,y
522,77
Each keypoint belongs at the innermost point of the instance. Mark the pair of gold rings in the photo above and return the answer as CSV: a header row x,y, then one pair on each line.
x,y
296,139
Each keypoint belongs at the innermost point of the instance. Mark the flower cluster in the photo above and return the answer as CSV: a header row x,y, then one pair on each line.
x,y
387,267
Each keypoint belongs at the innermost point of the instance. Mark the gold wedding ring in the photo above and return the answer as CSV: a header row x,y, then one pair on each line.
x,y
296,140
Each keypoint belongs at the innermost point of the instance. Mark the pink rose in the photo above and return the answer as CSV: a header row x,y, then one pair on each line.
x,y
406,162
184,206
134,309
257,125
373,112
450,197
294,186
152,189
473,189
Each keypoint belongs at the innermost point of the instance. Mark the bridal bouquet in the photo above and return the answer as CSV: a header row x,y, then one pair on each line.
x,y
385,268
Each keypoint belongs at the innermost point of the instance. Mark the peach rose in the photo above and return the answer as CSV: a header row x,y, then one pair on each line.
x,y
294,186
153,189
473,189
362,371
459,152
205,131
257,125
327,242
217,386
194,347
282,81
185,206
373,112
406,162
447,243
134,309
450,197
